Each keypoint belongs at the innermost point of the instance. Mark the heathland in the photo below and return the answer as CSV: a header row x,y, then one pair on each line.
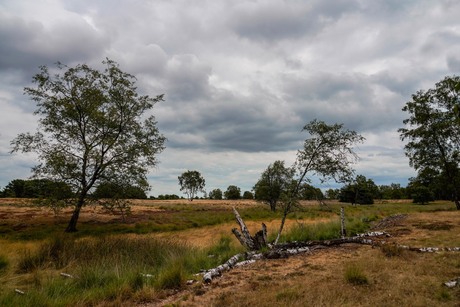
x,y
154,255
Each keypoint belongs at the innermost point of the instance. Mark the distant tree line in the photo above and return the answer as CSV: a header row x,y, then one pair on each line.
x,y
421,189
37,188
46,188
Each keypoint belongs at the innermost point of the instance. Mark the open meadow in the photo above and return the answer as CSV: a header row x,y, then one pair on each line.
x,y
151,258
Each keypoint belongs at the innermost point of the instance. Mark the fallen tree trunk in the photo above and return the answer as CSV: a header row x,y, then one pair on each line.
x,y
210,274
280,251
452,283
286,250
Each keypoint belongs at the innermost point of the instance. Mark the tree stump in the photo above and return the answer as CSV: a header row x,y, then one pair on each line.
x,y
252,243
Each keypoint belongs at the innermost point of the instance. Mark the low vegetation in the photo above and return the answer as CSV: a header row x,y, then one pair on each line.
x,y
163,245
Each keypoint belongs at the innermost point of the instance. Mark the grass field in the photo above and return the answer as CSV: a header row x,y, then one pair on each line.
x,y
148,259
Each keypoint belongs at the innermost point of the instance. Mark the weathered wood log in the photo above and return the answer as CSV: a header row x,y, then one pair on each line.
x,y
260,238
210,274
66,275
285,250
430,249
292,248
244,237
452,283
343,230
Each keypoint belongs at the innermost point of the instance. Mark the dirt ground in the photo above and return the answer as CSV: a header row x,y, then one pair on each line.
x,y
23,210
248,285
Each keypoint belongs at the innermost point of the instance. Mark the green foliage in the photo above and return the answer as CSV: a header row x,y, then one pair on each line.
x,y
248,195
393,191
362,191
332,194
168,196
223,250
91,128
215,194
432,133
116,190
191,182
421,194
233,192
309,192
273,183
327,153
37,188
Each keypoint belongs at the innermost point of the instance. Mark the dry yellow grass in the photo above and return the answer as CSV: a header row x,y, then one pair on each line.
x,y
317,279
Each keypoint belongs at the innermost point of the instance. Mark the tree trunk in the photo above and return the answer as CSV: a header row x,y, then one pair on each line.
x,y
251,243
457,204
283,220
343,230
72,227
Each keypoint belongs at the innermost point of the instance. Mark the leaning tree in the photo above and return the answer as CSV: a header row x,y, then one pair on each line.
x,y
432,132
327,154
93,128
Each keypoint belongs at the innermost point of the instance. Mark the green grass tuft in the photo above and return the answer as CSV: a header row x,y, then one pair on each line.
x,y
355,275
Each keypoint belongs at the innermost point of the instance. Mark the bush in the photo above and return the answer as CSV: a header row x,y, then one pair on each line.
x,y
355,276
421,195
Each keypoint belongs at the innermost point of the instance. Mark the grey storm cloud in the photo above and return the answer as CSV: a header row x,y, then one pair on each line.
x,y
273,21
28,43
240,78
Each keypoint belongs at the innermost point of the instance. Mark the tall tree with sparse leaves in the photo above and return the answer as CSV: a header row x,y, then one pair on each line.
x,y
327,154
93,127
432,132
191,182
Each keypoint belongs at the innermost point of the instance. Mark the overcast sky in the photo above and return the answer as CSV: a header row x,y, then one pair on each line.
x,y
240,78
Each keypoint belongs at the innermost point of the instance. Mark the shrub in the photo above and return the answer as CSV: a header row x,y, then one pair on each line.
x,y
355,276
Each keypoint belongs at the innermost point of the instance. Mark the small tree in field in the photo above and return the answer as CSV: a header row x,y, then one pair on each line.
x,y
233,192
215,194
273,183
248,195
328,154
191,182
92,128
